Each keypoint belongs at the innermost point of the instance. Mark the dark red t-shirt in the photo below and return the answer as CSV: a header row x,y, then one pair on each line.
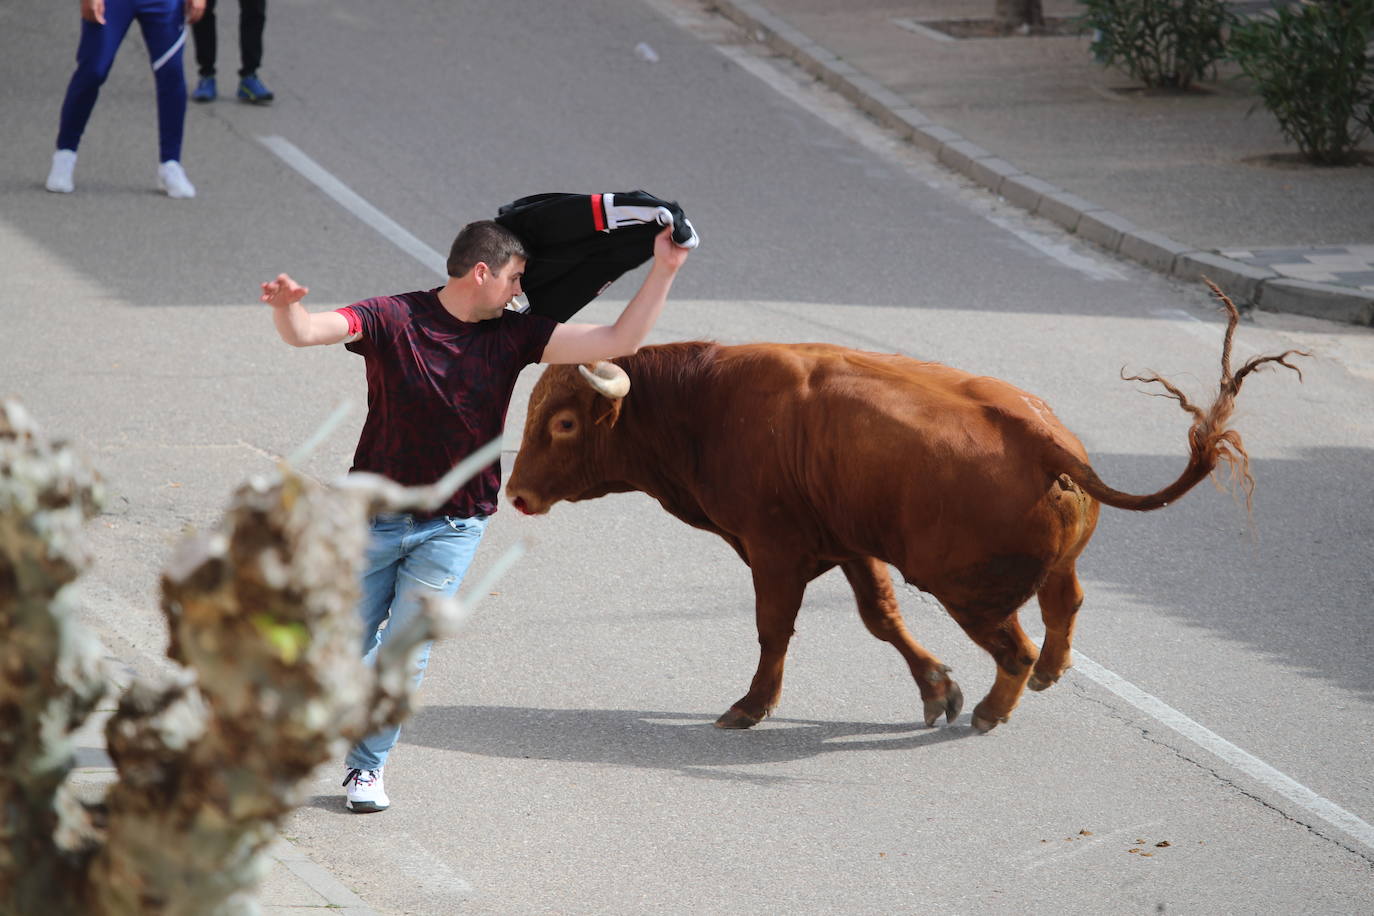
x,y
438,389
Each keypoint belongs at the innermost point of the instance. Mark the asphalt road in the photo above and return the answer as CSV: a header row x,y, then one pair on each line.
x,y
1211,753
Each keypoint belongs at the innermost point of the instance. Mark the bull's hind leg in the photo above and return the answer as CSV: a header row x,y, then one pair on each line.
x,y
1014,653
881,614
1060,597
778,590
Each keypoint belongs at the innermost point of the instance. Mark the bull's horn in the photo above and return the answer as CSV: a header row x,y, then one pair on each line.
x,y
607,378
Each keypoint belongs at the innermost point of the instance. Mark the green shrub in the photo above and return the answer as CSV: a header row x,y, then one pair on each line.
x,y
1163,43
1312,66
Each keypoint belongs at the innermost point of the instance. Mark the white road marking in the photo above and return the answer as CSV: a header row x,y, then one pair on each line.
x,y
1218,746
350,201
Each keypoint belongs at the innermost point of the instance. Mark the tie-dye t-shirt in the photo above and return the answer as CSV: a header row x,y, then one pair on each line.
x,y
438,389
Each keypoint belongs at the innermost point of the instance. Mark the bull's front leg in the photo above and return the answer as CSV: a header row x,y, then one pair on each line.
x,y
778,590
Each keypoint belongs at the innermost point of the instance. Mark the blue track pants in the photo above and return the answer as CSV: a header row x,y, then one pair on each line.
x,y
164,32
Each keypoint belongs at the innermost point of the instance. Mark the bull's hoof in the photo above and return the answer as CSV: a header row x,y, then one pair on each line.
x,y
984,722
983,725
950,705
735,717
1039,680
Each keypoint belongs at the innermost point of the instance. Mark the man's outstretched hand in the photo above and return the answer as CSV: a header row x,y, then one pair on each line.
x,y
283,291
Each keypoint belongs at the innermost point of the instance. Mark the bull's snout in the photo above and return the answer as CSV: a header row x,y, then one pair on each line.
x,y
524,503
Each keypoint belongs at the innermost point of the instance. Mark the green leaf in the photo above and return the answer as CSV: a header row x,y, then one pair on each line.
x,y
287,638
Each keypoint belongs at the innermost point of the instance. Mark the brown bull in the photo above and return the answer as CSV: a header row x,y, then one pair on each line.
x,y
809,456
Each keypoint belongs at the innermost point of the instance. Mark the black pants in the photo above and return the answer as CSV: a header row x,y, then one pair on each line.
x,y
252,18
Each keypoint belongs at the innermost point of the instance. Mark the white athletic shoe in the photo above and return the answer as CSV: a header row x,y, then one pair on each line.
x,y
171,177
60,176
366,793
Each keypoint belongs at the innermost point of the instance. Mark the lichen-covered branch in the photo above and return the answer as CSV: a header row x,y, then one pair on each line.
x,y
261,615
48,667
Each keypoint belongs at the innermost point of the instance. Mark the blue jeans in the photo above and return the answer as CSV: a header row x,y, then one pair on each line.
x,y
407,558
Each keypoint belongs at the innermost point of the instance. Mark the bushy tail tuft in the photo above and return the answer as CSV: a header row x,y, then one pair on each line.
x,y
1210,440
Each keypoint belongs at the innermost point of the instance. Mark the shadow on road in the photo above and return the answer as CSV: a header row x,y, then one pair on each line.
x,y
1289,581
660,740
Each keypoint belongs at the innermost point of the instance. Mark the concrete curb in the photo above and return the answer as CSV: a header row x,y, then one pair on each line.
x,y
296,884
338,898
1244,283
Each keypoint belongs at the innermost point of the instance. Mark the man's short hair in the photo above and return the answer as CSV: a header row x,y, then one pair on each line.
x,y
486,241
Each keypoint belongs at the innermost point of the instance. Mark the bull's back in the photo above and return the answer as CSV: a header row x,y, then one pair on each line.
x,y
878,449
853,397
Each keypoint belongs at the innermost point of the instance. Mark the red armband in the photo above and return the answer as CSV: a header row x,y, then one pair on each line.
x,y
355,324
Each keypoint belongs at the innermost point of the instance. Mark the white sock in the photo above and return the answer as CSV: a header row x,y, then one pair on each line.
x,y
60,176
171,177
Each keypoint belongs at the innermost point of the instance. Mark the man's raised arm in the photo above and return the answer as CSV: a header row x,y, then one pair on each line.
x,y
585,343
296,326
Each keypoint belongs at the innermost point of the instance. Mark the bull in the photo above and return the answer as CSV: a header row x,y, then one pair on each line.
x,y
804,457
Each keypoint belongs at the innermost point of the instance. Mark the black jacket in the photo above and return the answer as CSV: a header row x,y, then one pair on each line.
x,y
580,243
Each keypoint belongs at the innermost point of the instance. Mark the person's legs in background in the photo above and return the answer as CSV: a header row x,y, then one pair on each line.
x,y
252,21
207,51
164,31
95,55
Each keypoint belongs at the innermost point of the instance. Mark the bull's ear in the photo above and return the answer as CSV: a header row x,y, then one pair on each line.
x,y
606,378
612,412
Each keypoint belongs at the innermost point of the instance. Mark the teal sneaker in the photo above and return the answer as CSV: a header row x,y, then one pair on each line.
x,y
254,91
205,90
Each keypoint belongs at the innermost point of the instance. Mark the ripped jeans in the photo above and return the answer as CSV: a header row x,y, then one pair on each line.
x,y
406,558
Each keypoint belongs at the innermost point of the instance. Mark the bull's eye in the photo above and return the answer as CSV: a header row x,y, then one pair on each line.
x,y
564,423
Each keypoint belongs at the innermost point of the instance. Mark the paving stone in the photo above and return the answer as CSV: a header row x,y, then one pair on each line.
x,y
1064,208
1151,249
960,156
1319,300
1342,265
991,172
1237,280
1105,228
1026,190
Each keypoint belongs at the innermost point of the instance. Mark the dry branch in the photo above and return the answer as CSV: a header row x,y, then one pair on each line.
x,y
261,615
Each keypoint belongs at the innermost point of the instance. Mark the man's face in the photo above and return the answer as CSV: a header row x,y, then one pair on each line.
x,y
504,285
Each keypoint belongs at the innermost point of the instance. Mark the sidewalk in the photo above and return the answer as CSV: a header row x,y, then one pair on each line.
x,y
1187,185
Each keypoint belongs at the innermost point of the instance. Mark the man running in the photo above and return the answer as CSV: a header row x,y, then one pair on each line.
x,y
441,366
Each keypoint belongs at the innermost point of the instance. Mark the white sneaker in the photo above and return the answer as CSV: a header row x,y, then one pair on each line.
x,y
60,176
171,177
365,791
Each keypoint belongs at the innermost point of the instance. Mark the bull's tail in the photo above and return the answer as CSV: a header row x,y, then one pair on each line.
x,y
1210,441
